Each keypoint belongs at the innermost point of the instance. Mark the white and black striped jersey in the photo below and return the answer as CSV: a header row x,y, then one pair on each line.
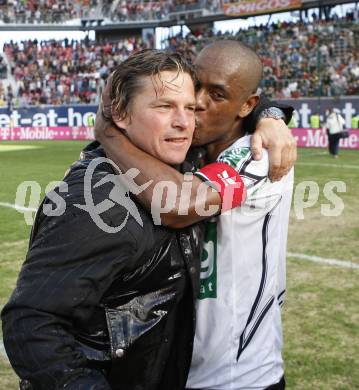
x,y
238,339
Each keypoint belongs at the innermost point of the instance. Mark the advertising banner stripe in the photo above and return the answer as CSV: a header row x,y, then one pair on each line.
x,y
254,7
317,138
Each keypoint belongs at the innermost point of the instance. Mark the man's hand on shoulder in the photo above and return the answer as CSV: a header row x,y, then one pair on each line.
x,y
274,135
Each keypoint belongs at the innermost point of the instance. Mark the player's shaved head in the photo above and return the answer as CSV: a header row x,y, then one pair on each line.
x,y
235,58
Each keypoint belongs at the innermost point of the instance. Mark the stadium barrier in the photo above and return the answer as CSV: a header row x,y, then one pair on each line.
x,y
79,115
74,122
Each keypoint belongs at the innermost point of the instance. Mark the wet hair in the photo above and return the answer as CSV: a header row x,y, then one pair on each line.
x,y
128,77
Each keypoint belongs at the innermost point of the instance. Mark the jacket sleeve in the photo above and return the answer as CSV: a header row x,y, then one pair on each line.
x,y
70,265
251,120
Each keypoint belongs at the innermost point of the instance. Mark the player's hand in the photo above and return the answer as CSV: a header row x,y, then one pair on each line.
x,y
274,135
104,126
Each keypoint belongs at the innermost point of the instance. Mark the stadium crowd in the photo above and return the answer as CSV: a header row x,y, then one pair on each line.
x,y
133,10
64,72
55,11
44,11
300,59
320,58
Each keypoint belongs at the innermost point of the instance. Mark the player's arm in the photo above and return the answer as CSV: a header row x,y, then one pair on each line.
x,y
184,202
179,200
268,123
187,199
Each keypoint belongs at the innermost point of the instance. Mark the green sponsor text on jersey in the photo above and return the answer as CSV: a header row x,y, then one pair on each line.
x,y
208,285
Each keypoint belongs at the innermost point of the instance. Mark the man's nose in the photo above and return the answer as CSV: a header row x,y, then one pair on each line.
x,y
181,119
201,100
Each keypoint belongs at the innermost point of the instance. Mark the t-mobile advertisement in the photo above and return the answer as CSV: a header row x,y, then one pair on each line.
x,y
61,133
317,138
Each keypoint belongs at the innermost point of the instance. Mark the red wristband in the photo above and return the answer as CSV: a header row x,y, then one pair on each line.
x,y
227,182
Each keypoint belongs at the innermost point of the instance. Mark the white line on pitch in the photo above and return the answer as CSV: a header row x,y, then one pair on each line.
x,y
2,350
329,165
16,207
317,259
316,154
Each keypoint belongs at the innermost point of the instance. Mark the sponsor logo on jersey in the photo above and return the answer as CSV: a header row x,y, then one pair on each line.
x,y
208,283
234,156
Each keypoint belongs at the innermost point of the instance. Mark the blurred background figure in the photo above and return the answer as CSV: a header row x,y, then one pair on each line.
x,y
334,126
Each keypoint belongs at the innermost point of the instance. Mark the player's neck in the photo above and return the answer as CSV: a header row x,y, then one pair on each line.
x,y
217,147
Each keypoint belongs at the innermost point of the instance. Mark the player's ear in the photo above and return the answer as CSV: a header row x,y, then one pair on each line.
x,y
248,106
121,121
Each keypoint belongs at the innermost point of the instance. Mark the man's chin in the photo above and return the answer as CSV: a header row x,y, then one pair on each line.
x,y
174,158
200,141
199,137
196,142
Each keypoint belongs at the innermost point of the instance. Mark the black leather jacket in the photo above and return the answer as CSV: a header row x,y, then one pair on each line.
x,y
94,310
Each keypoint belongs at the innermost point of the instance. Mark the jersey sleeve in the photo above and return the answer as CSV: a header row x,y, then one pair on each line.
x,y
254,174
236,167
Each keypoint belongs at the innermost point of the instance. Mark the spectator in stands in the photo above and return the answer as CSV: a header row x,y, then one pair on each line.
x,y
2,95
9,98
3,68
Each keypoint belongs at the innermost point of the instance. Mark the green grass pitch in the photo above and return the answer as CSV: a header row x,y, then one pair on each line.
x,y
321,313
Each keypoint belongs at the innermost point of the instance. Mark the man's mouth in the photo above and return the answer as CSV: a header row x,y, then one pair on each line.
x,y
177,140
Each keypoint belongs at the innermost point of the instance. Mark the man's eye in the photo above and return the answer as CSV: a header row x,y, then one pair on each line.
x,y
191,108
217,95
